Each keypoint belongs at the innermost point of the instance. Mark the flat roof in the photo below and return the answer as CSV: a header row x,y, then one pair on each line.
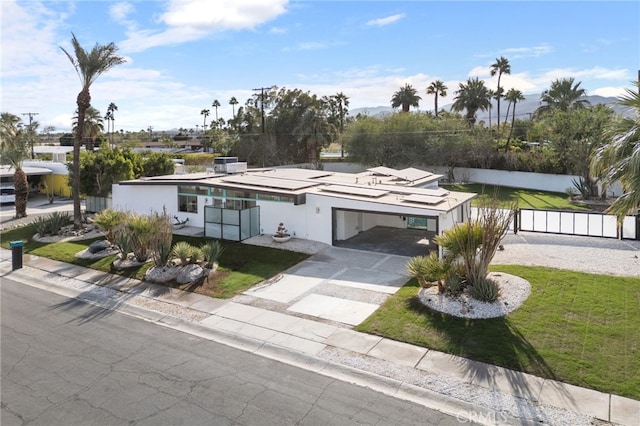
x,y
7,171
373,186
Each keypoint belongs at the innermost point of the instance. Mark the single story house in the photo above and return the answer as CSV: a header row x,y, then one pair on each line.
x,y
323,206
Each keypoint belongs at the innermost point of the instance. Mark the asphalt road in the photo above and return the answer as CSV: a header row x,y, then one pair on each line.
x,y
61,366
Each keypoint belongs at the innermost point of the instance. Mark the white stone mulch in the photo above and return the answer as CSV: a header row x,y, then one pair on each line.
x,y
513,292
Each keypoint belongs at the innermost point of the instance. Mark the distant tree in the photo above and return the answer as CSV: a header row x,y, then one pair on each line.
x,y
471,96
101,169
205,113
216,104
233,102
513,96
619,159
157,164
67,139
14,148
89,65
93,126
500,66
562,95
111,112
316,132
436,88
405,98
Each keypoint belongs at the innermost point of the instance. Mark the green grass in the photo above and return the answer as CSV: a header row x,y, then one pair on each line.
x,y
244,265
526,198
577,328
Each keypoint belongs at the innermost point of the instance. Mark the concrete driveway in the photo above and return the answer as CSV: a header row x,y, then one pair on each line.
x,y
337,285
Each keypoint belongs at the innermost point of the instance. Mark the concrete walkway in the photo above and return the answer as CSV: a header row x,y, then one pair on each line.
x,y
468,389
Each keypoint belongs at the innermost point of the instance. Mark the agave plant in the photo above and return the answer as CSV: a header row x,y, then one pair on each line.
x,y
183,251
108,220
427,269
211,252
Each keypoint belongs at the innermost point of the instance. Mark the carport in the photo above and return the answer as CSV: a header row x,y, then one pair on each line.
x,y
384,232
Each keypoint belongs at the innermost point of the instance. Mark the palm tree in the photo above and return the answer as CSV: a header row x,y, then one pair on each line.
x,y
233,102
472,96
513,96
315,131
619,160
406,97
14,147
501,66
562,95
89,66
437,88
111,109
342,102
205,113
216,104
93,126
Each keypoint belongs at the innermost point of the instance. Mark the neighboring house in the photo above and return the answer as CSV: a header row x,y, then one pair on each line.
x,y
35,176
317,205
56,182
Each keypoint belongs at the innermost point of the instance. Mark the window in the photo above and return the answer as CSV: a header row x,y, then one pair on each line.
x,y
188,203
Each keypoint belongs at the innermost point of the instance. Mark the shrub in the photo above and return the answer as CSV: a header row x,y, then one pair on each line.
x,y
52,223
211,251
427,269
122,241
485,290
183,251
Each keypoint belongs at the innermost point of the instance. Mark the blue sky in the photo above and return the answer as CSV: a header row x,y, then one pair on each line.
x,y
181,55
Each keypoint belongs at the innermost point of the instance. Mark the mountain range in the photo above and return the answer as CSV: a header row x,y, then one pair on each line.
x,y
524,109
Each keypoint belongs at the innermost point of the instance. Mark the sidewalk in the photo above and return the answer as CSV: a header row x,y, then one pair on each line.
x,y
471,390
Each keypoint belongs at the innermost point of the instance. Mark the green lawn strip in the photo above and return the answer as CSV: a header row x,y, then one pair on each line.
x,y
578,328
526,198
248,264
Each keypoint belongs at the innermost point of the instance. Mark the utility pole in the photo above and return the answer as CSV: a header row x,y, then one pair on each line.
x,y
33,114
261,90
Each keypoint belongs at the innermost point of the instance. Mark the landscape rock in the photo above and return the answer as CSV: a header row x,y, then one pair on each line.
x,y
98,246
162,274
189,273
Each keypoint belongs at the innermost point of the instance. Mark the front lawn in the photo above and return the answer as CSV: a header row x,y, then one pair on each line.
x,y
241,265
578,328
526,198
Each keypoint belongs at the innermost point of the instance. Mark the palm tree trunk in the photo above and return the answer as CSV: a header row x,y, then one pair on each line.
x,y
436,103
513,120
83,102
21,186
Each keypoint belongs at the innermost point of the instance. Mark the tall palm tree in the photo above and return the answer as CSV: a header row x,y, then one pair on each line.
x,y
472,96
205,113
562,95
233,102
437,88
406,97
14,148
619,160
501,66
111,109
513,96
216,104
89,65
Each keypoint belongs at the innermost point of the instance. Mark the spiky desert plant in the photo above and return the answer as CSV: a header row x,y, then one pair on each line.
x,y
485,290
211,251
108,220
183,251
140,229
161,238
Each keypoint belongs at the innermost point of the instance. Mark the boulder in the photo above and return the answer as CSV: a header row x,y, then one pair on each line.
x,y
189,274
161,274
98,246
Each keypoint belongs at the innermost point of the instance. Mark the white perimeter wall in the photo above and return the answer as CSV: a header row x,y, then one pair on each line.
x,y
528,180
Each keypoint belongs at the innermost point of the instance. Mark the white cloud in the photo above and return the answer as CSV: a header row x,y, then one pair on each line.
x,y
527,52
608,91
277,30
189,20
381,22
119,11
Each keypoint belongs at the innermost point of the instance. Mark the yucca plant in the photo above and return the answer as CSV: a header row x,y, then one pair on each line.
x,y
107,220
427,269
211,251
183,251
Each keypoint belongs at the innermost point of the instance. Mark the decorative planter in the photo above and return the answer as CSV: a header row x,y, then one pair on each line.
x,y
282,239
